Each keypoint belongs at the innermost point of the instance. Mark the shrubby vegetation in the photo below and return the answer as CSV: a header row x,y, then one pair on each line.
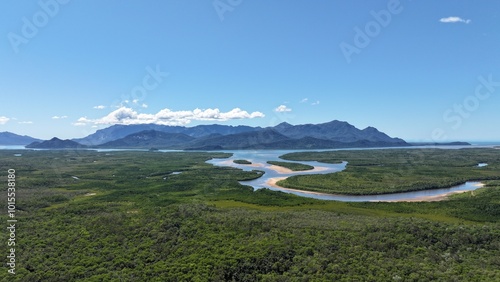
x,y
292,166
145,224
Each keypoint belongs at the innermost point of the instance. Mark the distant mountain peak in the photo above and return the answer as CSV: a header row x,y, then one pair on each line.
x,y
284,124
149,139
9,138
371,128
339,131
56,143
337,123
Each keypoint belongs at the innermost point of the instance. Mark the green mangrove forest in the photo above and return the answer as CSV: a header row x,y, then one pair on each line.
x,y
126,216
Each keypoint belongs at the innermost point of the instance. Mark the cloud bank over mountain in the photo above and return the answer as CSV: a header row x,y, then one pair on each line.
x,y
128,116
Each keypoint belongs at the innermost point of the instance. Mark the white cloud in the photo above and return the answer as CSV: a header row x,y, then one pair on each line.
x,y
100,107
126,115
82,121
282,108
59,117
25,122
304,100
237,113
4,120
144,105
454,20
315,103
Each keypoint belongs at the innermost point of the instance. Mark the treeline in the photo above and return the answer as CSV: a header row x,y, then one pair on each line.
x,y
196,242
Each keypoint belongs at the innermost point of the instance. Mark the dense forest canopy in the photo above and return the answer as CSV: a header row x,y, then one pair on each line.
x,y
123,216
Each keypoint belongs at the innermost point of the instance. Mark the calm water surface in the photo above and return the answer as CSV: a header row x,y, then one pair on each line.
x,y
260,157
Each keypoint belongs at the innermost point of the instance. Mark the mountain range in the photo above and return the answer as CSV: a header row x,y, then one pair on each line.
x,y
8,138
334,134
118,131
55,143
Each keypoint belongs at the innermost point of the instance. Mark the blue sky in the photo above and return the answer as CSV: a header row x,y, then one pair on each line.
x,y
419,70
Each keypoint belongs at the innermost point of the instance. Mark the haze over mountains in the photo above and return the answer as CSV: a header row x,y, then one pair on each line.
x,y
334,134
8,138
55,143
116,132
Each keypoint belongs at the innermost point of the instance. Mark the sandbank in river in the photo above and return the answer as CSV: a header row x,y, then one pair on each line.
x,y
273,174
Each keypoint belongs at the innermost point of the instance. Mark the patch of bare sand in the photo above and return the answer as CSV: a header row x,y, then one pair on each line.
x,y
256,165
280,169
227,162
272,182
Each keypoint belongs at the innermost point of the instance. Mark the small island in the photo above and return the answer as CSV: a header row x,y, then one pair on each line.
x,y
292,166
243,162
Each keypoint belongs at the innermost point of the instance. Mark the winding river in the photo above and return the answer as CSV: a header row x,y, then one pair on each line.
x,y
271,174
